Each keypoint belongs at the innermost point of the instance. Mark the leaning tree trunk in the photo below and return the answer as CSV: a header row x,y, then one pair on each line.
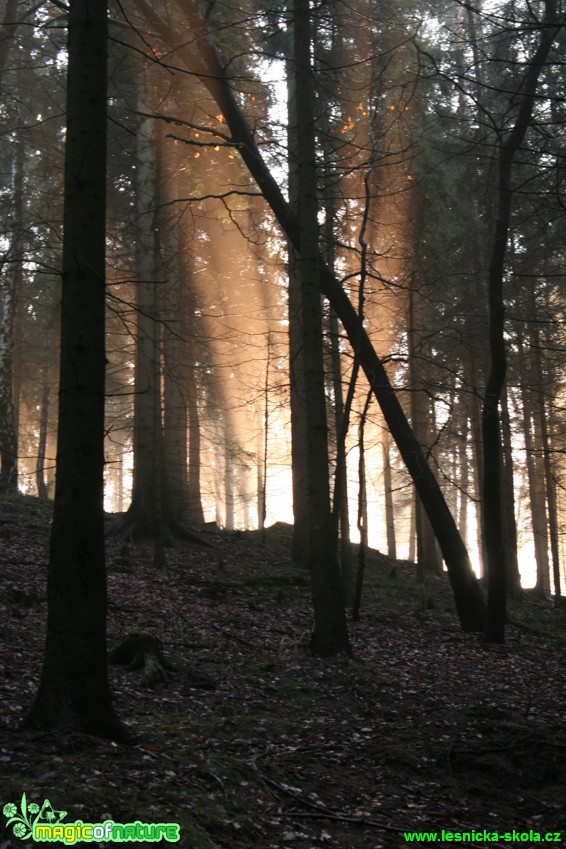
x,y
428,560
206,64
74,693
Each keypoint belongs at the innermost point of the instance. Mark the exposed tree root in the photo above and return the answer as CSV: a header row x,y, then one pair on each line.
x,y
136,524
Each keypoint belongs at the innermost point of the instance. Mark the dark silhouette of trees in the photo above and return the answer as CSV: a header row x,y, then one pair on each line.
x,y
74,693
215,77
523,100
330,635
387,122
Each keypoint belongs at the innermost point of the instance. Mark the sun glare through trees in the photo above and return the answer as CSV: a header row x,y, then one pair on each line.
x,y
207,379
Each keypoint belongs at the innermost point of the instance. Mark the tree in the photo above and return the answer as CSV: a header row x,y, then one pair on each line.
x,y
330,634
511,141
214,76
9,27
74,692
11,271
160,459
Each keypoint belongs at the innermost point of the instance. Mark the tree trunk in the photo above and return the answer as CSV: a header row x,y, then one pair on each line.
x,y
341,504
214,76
330,635
141,519
552,506
388,492
43,426
194,509
362,514
7,33
300,541
492,506
74,693
427,553
329,56
535,475
176,341
151,513
542,435
509,520
10,285
463,479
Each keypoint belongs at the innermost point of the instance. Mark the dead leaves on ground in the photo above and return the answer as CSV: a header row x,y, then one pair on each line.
x,y
422,729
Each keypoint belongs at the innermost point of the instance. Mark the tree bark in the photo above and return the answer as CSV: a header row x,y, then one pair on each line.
x,y
10,285
175,367
74,693
427,552
330,635
141,519
362,513
388,494
41,482
510,522
7,33
194,509
297,396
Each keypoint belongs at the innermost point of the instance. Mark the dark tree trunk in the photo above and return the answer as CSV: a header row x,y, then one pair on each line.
x,y
194,511
9,26
362,514
143,518
300,541
152,513
174,333
330,635
427,552
492,506
388,494
10,285
215,77
543,427
510,522
74,693
41,482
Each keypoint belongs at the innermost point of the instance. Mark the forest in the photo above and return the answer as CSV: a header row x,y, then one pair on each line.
x,y
282,329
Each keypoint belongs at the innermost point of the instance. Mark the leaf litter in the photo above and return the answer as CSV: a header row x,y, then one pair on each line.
x,y
251,742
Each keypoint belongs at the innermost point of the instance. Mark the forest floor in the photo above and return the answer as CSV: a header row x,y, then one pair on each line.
x,y
251,742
